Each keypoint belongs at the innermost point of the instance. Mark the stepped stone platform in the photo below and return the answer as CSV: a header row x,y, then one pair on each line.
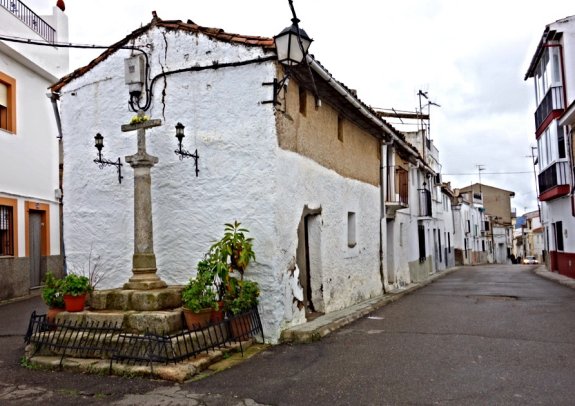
x,y
137,311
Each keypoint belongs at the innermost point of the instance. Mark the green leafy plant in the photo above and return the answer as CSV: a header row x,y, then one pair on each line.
x,y
242,295
76,285
52,291
200,293
232,253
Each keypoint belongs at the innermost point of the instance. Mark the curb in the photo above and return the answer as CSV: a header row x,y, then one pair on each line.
x,y
320,327
542,272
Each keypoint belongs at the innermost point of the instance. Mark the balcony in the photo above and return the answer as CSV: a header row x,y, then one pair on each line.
x,y
424,196
397,193
554,181
553,100
30,18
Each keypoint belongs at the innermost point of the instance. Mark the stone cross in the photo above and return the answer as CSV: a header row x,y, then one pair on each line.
x,y
144,260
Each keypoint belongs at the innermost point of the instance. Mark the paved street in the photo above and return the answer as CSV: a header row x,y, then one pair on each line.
x,y
480,335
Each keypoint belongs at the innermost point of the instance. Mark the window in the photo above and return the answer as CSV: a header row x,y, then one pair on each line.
x,y
6,230
302,101
7,103
561,141
351,238
340,128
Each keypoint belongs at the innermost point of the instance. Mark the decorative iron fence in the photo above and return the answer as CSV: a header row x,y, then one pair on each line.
x,y
108,341
30,18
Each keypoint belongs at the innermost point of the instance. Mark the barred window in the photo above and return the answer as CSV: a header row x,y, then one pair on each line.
x,y
6,231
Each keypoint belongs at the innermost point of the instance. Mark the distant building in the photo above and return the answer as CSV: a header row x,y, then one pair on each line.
x,y
30,242
497,222
552,69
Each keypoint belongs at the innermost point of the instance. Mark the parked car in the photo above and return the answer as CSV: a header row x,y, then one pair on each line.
x,y
530,260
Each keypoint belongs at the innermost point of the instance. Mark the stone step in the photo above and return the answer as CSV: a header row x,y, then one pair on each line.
x,y
138,300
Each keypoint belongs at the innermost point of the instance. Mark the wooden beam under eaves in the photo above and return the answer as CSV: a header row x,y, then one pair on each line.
x,y
415,116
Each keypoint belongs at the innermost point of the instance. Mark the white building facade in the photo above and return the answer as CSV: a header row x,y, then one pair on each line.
x,y
552,69
29,157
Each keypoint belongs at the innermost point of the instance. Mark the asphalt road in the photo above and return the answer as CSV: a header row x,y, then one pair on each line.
x,y
481,335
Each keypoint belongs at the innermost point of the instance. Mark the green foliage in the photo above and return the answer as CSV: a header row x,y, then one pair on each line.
x,y
76,285
52,291
242,295
232,253
200,293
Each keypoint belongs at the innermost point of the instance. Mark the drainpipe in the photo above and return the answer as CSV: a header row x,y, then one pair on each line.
x,y
54,97
383,176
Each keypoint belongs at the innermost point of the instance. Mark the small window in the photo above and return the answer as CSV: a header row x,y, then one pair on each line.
x,y
6,231
559,235
302,101
351,238
340,128
7,103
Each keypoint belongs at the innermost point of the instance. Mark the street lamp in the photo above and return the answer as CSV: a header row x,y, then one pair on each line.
x,y
99,144
292,45
182,152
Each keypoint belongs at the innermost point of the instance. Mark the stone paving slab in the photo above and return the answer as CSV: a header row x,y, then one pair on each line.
x,y
179,372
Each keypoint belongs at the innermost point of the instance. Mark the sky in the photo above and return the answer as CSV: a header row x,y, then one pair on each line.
x,y
470,58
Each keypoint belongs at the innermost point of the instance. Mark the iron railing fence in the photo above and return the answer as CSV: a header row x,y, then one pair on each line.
x,y
30,18
108,341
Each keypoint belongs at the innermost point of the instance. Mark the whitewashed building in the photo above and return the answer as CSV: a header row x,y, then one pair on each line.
x,y
303,176
552,69
29,158
419,222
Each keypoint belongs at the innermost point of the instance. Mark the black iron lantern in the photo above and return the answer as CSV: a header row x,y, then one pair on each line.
x,y
99,142
102,162
182,153
180,133
292,44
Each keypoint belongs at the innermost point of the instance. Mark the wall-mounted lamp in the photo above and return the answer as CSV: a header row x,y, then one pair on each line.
x,y
99,144
182,152
292,45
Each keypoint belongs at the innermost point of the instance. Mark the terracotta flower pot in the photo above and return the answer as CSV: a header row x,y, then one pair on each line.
x,y
52,313
75,303
218,315
199,320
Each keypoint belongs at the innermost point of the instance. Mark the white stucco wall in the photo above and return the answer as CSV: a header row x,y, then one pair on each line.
x,y
243,176
29,157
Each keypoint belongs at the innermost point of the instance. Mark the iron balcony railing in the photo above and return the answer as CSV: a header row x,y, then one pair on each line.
x,y
424,202
553,100
555,175
30,18
397,185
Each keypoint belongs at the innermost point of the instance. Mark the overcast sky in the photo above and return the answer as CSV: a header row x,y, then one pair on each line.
x,y
471,58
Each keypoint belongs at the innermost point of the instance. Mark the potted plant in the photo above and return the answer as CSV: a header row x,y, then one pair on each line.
x,y
75,288
199,299
242,296
53,296
233,252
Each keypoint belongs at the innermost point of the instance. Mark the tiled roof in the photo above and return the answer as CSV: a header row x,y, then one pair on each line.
x,y
189,26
